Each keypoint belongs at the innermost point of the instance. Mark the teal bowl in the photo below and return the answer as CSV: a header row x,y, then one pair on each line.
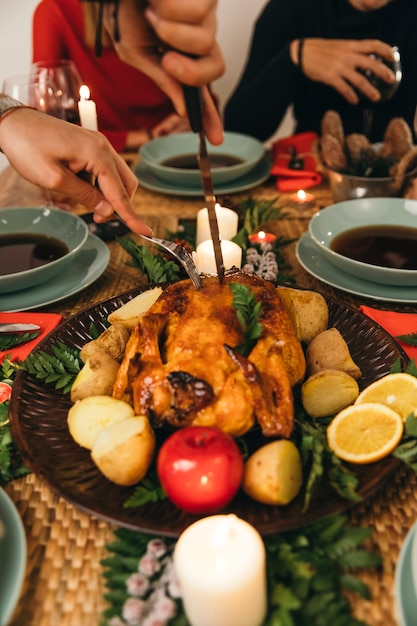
x,y
36,243
379,236
173,158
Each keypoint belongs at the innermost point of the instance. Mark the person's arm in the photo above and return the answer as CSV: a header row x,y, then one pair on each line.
x,y
47,42
50,152
270,78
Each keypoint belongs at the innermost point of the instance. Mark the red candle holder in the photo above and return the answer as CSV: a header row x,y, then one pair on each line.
x,y
262,237
302,200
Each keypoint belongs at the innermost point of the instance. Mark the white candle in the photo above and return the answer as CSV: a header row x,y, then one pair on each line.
x,y
205,261
226,219
87,109
220,563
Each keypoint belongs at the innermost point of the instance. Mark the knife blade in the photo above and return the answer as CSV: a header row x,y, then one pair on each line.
x,y
194,103
17,328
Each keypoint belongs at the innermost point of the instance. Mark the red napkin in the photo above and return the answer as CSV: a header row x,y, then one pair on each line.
x,y
395,324
47,322
292,179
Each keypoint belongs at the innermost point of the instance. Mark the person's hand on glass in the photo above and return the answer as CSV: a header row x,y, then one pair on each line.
x,y
342,63
173,42
50,153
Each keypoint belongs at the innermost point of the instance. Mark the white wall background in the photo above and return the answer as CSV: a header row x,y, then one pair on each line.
x,y
235,23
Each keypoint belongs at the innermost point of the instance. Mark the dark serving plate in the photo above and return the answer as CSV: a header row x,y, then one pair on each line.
x,y
38,416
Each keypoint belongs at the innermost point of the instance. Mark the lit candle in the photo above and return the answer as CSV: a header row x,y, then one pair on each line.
x,y
262,237
205,261
87,109
226,219
302,200
220,563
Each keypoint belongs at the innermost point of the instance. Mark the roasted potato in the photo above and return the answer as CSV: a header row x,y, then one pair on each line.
x,y
327,392
329,350
113,341
96,378
273,473
87,417
308,311
129,313
124,450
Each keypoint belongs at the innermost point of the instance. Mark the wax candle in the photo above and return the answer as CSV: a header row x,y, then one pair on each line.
x,y
302,200
204,256
221,568
87,109
262,237
226,219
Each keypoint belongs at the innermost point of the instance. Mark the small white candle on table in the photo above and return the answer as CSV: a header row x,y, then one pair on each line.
x,y
87,109
227,221
220,563
205,260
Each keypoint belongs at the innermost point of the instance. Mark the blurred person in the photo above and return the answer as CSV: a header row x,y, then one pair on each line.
x,y
314,56
131,108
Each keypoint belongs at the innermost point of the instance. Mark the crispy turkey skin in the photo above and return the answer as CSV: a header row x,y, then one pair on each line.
x,y
180,366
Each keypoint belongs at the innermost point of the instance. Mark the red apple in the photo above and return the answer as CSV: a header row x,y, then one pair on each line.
x,y
200,468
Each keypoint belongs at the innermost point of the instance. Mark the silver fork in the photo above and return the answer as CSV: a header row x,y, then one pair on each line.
x,y
181,255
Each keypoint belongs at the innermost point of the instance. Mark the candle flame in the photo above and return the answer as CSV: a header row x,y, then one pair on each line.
x,y
301,195
84,92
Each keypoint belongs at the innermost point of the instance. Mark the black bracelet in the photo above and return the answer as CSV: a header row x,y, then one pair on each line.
x,y
300,55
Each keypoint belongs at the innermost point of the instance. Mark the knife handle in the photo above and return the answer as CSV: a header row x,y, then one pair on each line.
x,y
194,103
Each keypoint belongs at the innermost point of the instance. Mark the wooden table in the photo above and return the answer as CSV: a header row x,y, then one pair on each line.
x,y
63,584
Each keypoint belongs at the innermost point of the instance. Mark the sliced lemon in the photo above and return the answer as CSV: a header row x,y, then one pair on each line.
x,y
365,433
397,391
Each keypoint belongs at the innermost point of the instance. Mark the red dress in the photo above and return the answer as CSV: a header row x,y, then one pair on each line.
x,y
126,98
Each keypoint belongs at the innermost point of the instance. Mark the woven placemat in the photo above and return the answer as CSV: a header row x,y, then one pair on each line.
x,y
64,587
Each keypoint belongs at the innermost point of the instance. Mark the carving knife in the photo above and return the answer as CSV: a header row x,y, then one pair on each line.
x,y
194,103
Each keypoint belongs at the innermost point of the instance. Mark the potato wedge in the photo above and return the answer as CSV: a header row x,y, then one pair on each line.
x,y
327,392
308,311
128,313
87,417
96,378
329,350
273,473
124,450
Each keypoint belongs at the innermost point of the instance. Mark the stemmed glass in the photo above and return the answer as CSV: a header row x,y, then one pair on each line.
x,y
387,90
41,95
65,76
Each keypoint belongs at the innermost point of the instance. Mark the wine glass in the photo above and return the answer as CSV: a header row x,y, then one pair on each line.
x,y
387,90
40,95
64,74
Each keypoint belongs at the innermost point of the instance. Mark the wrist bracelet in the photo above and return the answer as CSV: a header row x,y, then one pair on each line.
x,y
300,55
8,104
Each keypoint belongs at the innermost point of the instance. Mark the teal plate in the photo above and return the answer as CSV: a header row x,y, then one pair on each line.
x,y
405,596
259,174
88,265
313,261
13,552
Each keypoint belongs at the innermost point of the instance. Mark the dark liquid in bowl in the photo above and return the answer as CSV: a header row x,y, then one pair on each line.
x,y
24,251
189,161
386,246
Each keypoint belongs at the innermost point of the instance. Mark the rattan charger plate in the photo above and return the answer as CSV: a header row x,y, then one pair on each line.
x,y
38,417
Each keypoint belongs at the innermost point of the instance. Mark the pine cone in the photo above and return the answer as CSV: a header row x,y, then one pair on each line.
x,y
398,139
332,151
357,146
331,124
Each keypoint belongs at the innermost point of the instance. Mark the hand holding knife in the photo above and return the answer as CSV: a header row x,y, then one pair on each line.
x,y
194,103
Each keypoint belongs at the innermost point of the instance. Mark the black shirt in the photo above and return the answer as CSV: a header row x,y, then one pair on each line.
x,y
271,82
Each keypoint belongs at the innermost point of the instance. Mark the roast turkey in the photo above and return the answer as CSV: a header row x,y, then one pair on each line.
x,y
181,366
